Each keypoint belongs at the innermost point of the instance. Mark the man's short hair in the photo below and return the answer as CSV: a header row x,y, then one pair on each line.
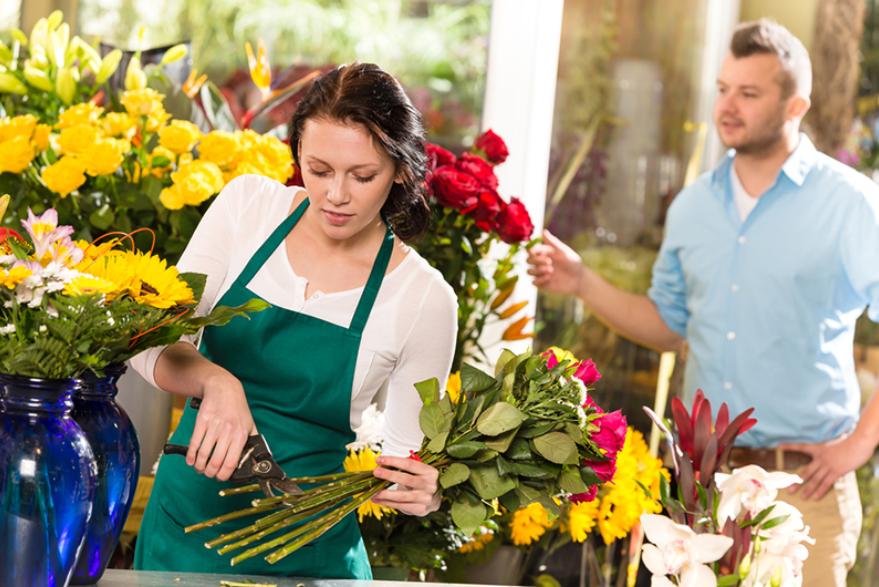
x,y
767,37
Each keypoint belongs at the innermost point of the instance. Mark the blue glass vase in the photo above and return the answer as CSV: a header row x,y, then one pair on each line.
x,y
117,453
47,482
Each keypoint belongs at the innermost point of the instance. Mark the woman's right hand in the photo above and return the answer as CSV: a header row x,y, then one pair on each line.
x,y
222,424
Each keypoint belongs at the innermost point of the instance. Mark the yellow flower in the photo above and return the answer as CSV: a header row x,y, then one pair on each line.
x,y
529,523
564,355
9,278
161,286
41,137
160,161
119,124
64,176
17,126
84,113
78,139
582,518
193,83
266,155
104,157
171,198
180,136
360,462
88,284
195,182
453,387
219,147
156,120
143,102
476,543
16,154
117,267
260,70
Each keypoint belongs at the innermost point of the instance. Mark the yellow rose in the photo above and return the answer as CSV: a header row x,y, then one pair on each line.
x,y
156,120
171,198
198,181
142,102
77,139
41,137
219,147
17,126
119,124
180,136
103,158
158,167
64,176
84,113
16,154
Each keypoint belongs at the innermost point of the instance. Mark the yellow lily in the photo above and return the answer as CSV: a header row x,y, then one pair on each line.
x,y
193,83
38,78
514,330
65,84
260,71
135,78
175,53
108,66
9,84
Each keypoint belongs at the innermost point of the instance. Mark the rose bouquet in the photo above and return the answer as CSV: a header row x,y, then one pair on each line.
x,y
527,434
469,219
71,306
722,529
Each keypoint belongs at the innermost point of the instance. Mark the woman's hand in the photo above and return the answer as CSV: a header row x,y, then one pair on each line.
x,y
417,492
222,425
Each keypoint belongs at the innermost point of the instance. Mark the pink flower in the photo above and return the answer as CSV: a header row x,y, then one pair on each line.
x,y
587,372
581,497
604,469
551,359
611,432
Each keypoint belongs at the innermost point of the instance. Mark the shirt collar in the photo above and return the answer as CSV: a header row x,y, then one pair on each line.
x,y
796,167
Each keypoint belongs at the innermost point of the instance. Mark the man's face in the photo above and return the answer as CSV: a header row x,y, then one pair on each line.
x,y
749,110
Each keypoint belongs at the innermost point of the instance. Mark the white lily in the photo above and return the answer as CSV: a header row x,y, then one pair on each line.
x,y
677,550
750,488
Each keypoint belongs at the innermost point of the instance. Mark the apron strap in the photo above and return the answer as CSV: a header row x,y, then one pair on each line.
x,y
370,291
273,242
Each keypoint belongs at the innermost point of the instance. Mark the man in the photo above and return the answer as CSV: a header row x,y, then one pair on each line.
x,y
767,262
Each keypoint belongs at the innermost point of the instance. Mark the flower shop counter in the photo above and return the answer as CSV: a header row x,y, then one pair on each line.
x,y
118,578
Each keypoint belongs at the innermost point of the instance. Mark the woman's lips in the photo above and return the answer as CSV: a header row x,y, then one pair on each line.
x,y
335,218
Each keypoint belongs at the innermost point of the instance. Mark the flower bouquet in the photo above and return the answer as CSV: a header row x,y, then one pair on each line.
x,y
469,219
69,307
528,434
722,529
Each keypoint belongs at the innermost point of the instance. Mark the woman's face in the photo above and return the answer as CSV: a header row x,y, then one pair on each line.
x,y
348,176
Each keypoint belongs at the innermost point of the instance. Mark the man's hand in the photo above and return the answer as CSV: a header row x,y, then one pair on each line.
x,y
556,267
830,461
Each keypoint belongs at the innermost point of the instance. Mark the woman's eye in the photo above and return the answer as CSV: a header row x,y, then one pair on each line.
x,y
318,173
364,179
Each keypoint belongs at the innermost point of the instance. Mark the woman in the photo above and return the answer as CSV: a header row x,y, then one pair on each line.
x,y
354,312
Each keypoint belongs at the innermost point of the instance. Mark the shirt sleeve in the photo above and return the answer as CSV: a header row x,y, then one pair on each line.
x,y
207,252
860,251
668,289
427,352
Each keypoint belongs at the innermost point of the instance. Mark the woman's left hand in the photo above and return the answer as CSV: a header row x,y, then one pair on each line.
x,y
416,493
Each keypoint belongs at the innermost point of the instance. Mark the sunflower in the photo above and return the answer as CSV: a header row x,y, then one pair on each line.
x,y
85,284
529,523
116,267
360,461
160,285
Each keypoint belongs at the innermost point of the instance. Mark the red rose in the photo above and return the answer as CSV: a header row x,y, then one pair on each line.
x,y
437,157
486,211
611,433
454,188
587,372
478,168
514,223
493,146
581,497
605,470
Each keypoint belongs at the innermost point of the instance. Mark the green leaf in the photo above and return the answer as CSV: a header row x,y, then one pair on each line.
x,y
438,443
196,282
468,515
504,467
502,442
485,455
728,581
499,418
773,522
511,500
527,494
434,420
103,217
464,450
538,429
519,450
587,474
556,447
428,390
488,483
506,356
534,471
473,380
455,474
571,481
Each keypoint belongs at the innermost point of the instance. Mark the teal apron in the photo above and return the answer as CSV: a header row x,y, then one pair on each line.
x,y
298,373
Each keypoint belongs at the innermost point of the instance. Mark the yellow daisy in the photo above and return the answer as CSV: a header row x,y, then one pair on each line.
x,y
360,461
529,523
88,284
9,278
160,286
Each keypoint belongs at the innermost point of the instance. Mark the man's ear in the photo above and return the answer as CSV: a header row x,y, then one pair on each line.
x,y
798,106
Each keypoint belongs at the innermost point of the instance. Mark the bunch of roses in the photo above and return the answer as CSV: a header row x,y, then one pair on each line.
x,y
469,185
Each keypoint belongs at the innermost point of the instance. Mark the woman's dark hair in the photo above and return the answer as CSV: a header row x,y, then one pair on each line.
x,y
363,93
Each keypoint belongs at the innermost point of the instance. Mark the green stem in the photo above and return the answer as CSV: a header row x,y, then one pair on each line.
x,y
226,517
290,520
317,494
238,490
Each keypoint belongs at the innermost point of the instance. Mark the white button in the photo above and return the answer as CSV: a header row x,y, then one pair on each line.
x,y
730,335
727,385
742,240
734,287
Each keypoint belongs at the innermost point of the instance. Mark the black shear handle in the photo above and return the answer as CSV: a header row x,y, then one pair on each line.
x,y
179,449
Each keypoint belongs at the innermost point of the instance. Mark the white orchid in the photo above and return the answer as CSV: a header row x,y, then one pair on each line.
x,y
749,488
677,550
370,433
779,560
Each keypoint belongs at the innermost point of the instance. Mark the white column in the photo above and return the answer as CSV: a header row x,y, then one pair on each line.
x,y
523,54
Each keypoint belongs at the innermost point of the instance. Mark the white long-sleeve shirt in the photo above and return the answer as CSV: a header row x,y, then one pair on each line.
x,y
410,334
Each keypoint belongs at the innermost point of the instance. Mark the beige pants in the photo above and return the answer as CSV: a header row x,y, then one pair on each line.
x,y
835,523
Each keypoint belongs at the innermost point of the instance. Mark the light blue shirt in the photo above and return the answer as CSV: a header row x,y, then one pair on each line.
x,y
768,305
